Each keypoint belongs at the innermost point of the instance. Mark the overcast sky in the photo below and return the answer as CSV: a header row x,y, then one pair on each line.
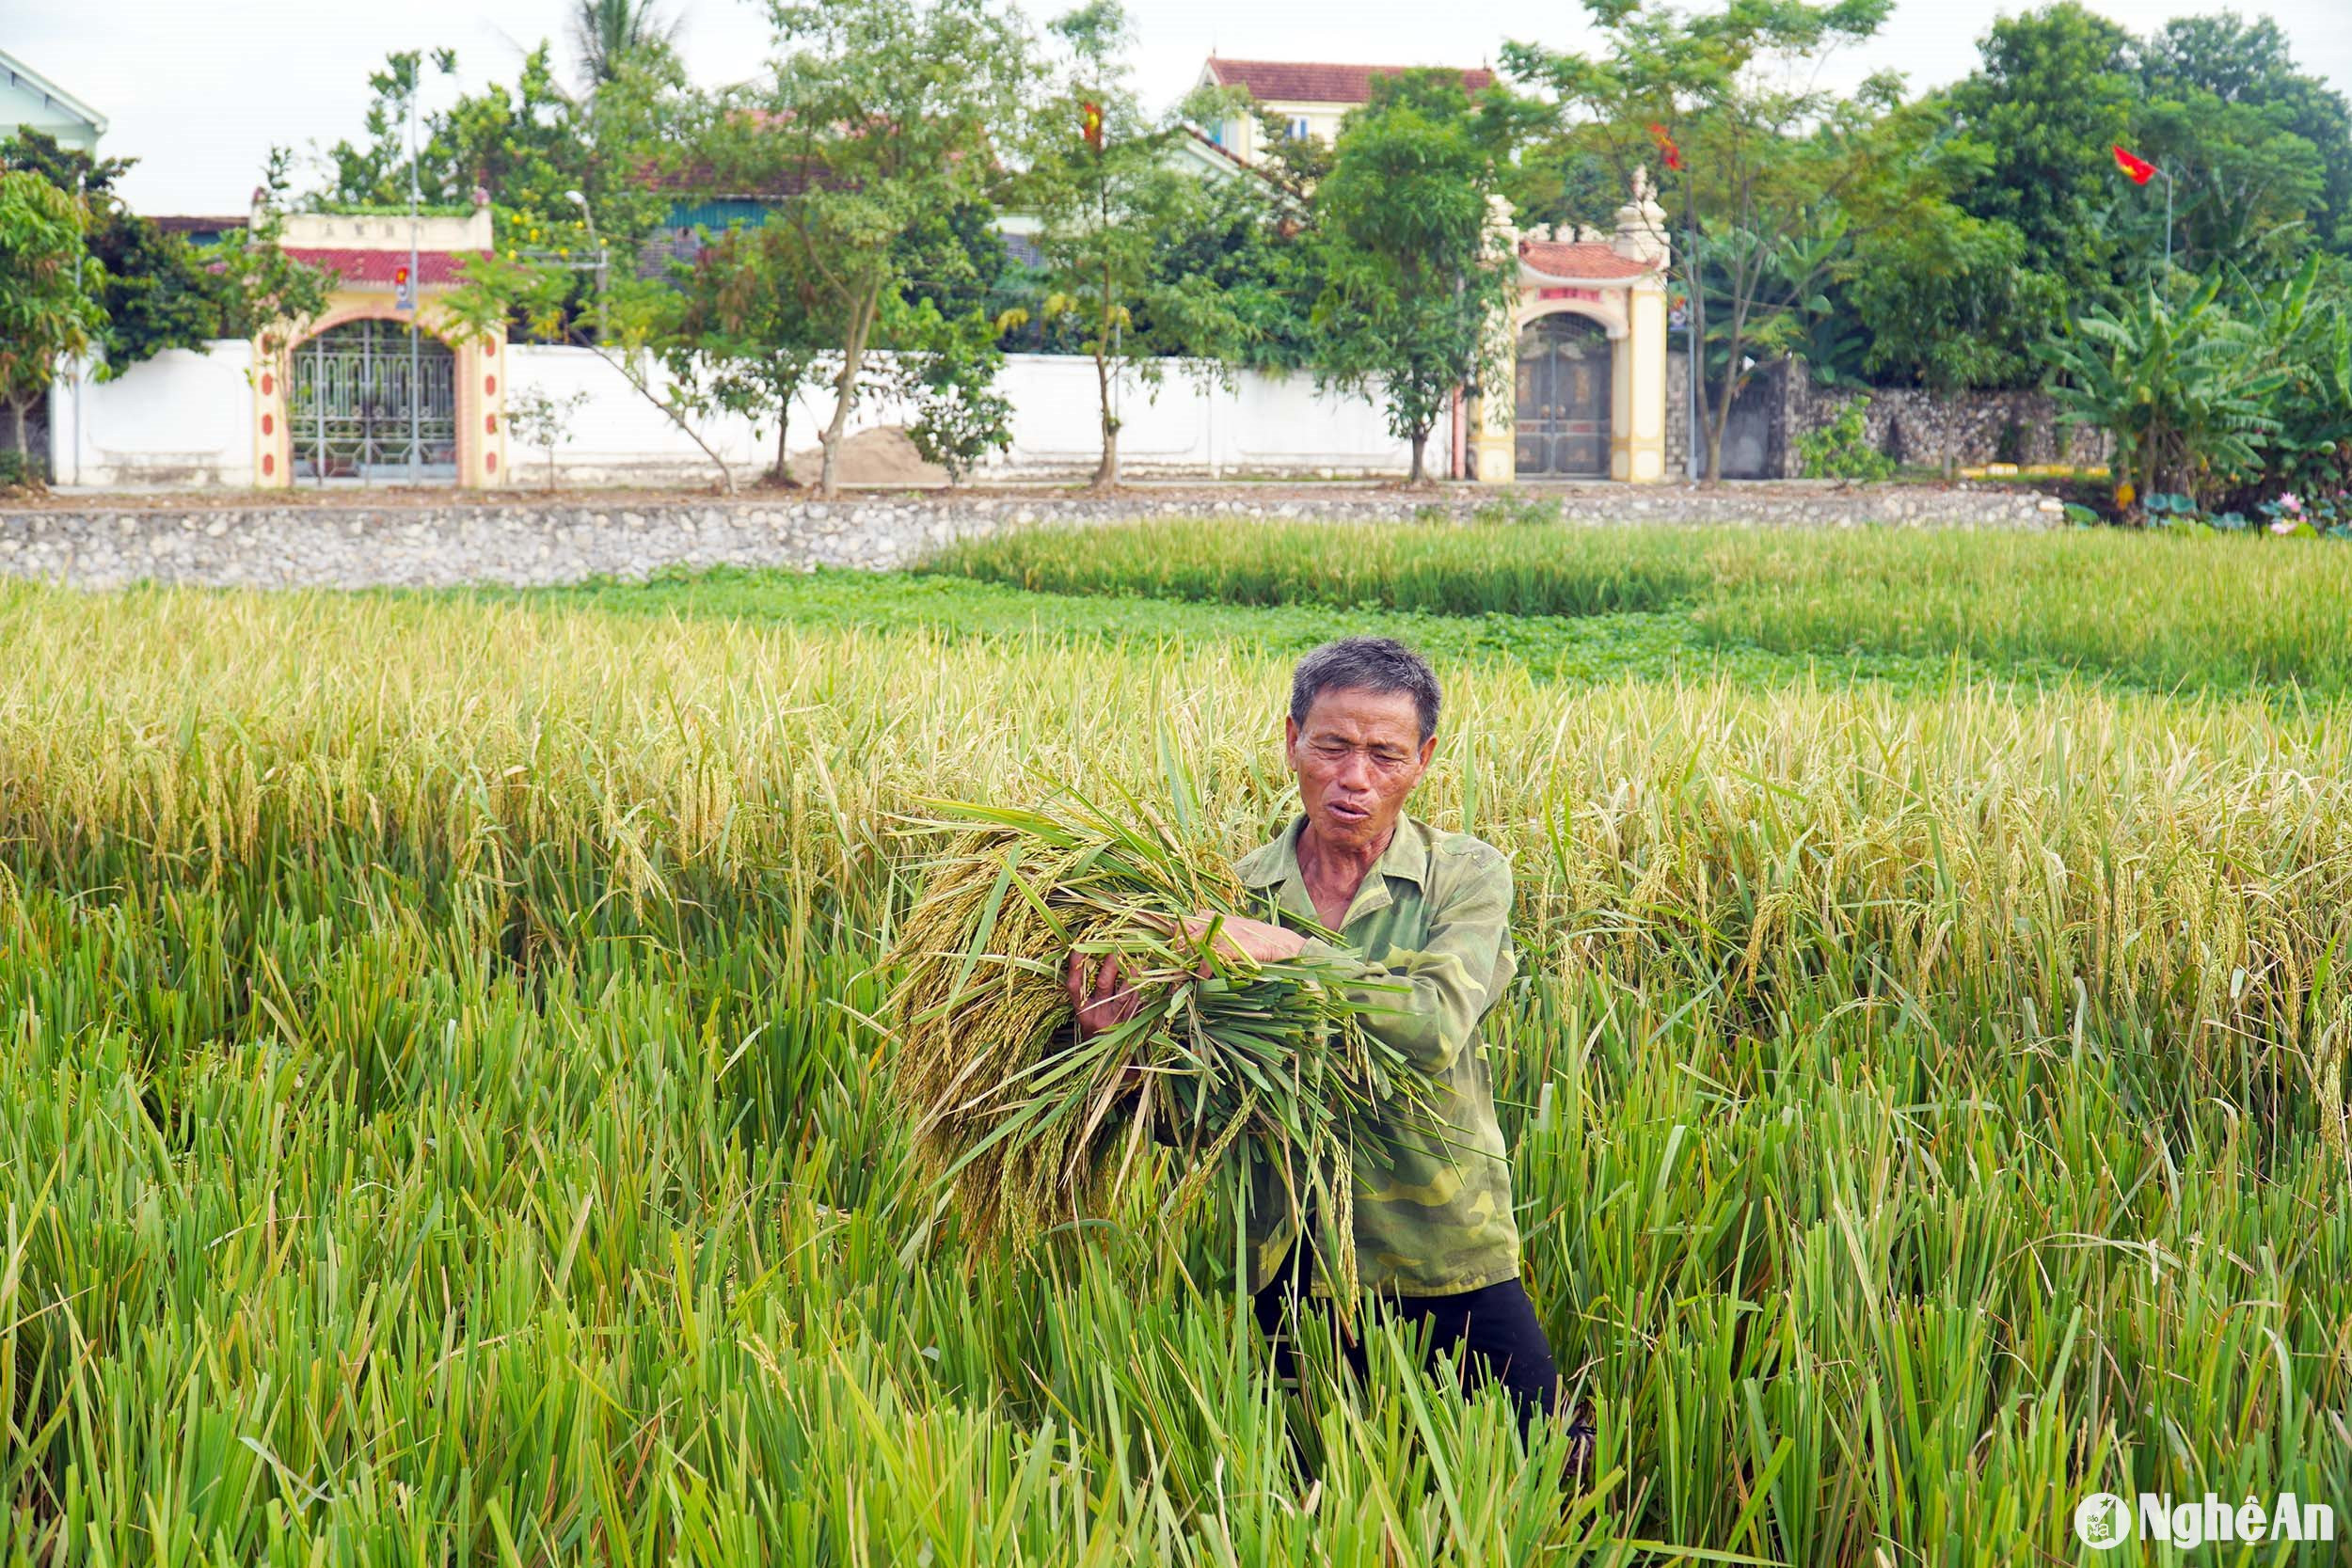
x,y
198,89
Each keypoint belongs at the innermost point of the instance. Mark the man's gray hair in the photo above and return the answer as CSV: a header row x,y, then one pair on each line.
x,y
1378,664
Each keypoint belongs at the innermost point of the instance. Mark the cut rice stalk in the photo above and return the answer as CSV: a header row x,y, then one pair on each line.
x,y
1229,1063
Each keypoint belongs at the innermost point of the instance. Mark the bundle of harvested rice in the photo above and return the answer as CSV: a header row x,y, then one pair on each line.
x,y
1228,1062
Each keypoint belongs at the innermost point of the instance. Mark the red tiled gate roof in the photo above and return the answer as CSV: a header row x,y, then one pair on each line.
x,y
1578,259
1318,82
360,268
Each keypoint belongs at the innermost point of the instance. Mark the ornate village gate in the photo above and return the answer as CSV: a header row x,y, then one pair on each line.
x,y
350,415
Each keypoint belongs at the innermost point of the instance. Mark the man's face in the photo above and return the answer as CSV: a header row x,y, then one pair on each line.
x,y
1358,756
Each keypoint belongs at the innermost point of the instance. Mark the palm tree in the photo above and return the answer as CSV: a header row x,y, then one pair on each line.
x,y
607,32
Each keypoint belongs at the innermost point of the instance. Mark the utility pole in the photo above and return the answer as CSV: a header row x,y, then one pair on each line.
x,y
581,201
416,283
1693,341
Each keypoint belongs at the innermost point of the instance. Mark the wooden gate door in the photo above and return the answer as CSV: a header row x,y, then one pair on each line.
x,y
1561,421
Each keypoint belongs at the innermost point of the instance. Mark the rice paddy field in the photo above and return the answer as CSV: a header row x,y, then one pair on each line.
x,y
448,1077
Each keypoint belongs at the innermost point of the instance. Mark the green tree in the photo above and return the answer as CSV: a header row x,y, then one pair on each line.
x,y
948,374
537,417
528,146
881,116
158,291
631,325
156,294
2244,191
2040,117
1247,243
2224,60
1771,164
749,340
1100,181
50,286
263,290
376,172
2184,388
610,35
1948,304
2304,324
1414,280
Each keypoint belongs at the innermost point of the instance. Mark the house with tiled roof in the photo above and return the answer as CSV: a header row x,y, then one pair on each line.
x,y
31,102
1310,96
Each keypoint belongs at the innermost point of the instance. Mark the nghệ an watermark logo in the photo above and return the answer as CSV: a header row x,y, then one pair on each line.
x,y
2105,1520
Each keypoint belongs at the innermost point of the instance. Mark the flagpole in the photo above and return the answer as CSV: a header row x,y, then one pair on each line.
x,y
2141,171
2168,219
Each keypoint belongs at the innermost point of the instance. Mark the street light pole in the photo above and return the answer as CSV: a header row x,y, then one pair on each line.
x,y
416,284
580,201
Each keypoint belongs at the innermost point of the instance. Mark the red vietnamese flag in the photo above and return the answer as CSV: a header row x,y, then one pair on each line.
x,y
2139,168
1666,145
1090,121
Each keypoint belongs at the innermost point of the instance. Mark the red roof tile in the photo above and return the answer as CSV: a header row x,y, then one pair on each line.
x,y
1316,82
700,180
1578,259
363,268
191,223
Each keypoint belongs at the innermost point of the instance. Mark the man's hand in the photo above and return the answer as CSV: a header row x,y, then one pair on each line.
x,y
1255,940
1100,992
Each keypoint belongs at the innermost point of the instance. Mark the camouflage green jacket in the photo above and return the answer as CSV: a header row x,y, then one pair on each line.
x,y
1433,913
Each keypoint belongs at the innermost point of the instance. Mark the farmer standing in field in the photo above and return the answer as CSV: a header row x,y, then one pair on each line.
x,y
1414,907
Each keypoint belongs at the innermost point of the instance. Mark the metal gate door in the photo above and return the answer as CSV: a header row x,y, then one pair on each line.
x,y
1561,421
356,414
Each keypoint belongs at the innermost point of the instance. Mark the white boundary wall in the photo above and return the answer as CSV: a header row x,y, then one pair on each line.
x,y
1263,424
185,419
182,418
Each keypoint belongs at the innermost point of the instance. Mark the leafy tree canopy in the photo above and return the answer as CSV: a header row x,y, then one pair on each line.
x,y
527,146
156,294
2264,144
2054,95
1413,278
48,284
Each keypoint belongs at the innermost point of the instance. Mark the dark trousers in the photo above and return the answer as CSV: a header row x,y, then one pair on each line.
x,y
1491,1332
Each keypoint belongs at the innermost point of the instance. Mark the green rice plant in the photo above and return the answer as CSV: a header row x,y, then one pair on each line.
x,y
1521,566
448,1118
2104,604
1230,1062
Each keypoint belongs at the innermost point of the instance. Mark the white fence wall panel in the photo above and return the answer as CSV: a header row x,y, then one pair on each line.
x,y
186,419
183,417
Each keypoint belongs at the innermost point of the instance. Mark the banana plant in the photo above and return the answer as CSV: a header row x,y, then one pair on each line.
x,y
2185,389
2304,326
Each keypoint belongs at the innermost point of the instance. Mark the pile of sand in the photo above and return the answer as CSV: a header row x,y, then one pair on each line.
x,y
883,455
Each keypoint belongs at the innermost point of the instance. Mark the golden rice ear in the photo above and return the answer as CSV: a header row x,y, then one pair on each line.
x,y
1021,1120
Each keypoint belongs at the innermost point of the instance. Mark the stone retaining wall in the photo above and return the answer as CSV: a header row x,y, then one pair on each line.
x,y
1914,426
1781,405
358,547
